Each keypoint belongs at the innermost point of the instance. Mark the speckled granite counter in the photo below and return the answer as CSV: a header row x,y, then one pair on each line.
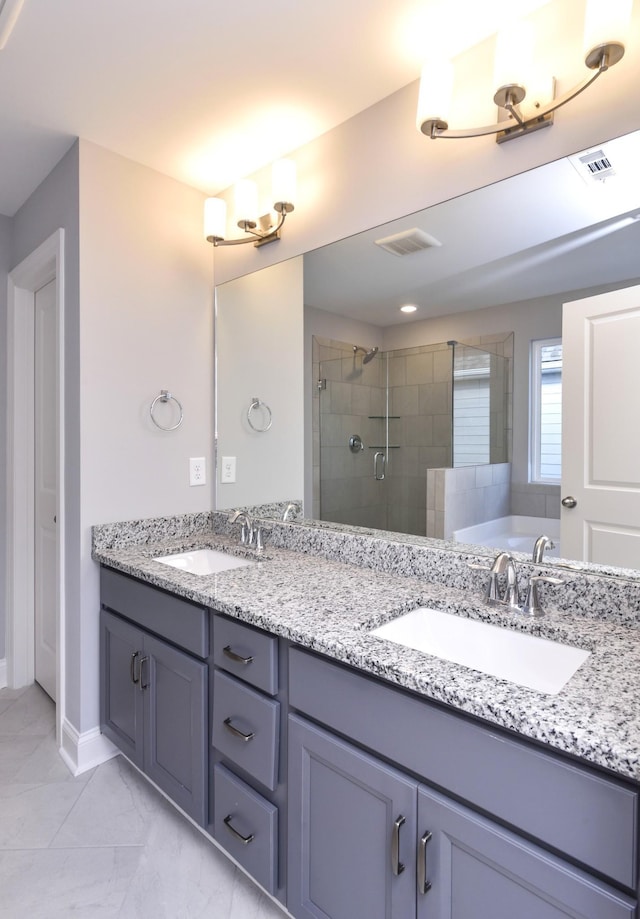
x,y
316,596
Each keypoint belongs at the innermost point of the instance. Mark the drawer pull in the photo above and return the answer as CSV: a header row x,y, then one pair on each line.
x,y
245,840
237,732
236,658
396,865
134,679
423,884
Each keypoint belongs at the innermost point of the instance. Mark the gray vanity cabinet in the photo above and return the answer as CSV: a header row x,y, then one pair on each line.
x,y
153,694
352,830
469,867
354,818
248,794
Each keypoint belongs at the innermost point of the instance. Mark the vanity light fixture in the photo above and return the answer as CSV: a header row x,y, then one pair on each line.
x,y
602,21
260,230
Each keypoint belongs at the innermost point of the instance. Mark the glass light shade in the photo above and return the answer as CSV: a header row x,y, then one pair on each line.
x,y
513,61
606,21
283,182
246,202
436,92
215,218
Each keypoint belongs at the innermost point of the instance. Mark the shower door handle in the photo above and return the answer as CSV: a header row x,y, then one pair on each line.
x,y
379,466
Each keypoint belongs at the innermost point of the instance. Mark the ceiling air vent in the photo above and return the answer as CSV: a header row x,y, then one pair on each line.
x,y
594,166
407,242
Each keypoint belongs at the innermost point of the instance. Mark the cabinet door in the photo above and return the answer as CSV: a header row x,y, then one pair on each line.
x,y
347,858
476,869
175,748
121,700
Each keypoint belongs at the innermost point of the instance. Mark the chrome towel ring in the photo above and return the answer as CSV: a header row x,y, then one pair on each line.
x,y
266,415
166,396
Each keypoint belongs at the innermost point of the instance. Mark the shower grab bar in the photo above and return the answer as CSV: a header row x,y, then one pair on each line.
x,y
379,467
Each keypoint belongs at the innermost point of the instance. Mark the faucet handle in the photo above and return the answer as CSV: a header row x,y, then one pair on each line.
x,y
532,606
492,590
260,535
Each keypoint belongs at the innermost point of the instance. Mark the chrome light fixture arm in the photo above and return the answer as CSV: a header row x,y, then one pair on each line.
x,y
509,97
259,237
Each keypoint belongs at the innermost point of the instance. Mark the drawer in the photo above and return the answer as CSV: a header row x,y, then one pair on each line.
x,y
247,653
246,825
246,728
573,809
180,622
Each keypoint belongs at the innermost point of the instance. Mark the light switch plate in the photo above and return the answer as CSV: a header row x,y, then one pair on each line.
x,y
228,469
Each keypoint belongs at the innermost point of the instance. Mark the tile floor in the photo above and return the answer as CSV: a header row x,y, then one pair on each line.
x,y
105,844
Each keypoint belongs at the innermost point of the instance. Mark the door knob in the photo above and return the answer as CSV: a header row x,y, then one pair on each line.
x,y
569,501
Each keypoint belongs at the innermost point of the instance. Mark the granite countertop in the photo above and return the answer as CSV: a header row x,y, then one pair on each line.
x,y
330,606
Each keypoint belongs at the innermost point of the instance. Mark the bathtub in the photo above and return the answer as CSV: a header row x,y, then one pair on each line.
x,y
514,533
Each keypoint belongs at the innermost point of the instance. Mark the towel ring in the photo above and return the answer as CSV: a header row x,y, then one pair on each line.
x,y
255,404
166,396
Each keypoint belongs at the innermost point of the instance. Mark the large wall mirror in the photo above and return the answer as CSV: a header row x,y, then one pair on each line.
x,y
418,422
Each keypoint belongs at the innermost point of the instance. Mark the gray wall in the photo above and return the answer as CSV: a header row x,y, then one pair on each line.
x,y
5,265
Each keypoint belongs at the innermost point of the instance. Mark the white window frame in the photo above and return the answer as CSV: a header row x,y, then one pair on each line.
x,y
535,413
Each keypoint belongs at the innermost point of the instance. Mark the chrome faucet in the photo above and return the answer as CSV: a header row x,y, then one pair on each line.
x,y
503,564
246,532
289,509
542,543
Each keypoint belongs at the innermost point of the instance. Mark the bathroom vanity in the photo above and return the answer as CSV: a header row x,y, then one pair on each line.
x,y
354,777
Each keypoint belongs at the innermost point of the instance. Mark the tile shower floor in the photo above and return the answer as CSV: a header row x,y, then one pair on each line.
x,y
104,844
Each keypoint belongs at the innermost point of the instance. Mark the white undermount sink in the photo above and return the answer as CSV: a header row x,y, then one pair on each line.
x,y
536,663
204,561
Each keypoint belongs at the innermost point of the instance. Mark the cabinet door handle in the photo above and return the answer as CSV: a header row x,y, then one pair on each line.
x,y
143,685
237,732
245,840
132,667
236,658
396,865
423,884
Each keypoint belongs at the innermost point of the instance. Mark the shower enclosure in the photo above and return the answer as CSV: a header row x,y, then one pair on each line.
x,y
382,418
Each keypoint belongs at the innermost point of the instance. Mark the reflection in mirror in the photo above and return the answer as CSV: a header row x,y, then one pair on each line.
x,y
510,256
412,410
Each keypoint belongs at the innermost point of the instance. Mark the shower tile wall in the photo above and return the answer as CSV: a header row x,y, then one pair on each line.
x,y
420,430
345,490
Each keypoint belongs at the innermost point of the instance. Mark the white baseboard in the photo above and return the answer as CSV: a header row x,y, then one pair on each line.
x,y
3,673
84,751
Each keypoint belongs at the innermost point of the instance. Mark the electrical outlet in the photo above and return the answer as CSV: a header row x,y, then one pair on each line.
x,y
197,470
228,469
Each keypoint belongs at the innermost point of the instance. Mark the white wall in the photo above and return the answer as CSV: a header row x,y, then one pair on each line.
x,y
5,265
259,349
146,324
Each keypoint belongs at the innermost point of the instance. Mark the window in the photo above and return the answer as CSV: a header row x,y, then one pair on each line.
x,y
546,411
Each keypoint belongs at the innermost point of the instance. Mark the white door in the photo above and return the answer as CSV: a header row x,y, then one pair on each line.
x,y
601,429
45,496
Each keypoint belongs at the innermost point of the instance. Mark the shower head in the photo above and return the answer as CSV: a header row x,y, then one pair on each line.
x,y
368,355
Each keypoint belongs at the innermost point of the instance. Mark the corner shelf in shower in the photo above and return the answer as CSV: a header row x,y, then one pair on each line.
x,y
383,417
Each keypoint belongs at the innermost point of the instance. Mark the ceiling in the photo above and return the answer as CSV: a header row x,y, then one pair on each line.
x,y
207,91
551,230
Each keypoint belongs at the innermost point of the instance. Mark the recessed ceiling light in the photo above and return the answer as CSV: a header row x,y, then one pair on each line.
x,y
408,308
